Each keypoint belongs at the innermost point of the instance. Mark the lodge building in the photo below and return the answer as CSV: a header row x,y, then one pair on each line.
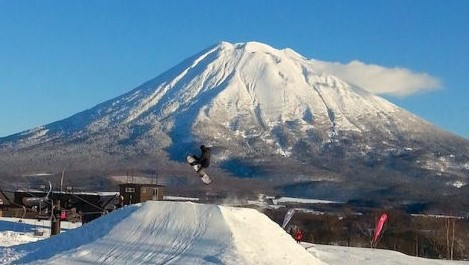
x,y
134,193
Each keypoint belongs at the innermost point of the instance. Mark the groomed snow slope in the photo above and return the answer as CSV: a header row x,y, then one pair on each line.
x,y
170,233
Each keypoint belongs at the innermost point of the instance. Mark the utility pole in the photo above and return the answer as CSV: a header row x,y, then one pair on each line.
x,y
55,218
416,245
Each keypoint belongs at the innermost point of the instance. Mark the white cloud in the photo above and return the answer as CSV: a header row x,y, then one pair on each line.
x,y
380,80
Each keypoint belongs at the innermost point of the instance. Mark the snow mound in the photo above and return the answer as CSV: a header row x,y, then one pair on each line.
x,y
170,233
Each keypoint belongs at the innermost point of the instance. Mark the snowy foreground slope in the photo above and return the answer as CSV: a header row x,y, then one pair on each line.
x,y
169,233
189,233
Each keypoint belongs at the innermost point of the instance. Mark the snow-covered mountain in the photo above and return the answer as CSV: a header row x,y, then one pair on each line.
x,y
251,89
265,112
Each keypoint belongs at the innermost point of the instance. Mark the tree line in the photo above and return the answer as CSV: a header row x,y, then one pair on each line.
x,y
427,236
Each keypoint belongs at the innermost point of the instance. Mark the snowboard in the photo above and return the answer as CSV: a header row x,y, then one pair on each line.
x,y
203,176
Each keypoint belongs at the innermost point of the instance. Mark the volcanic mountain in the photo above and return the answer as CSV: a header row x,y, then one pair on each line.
x,y
269,115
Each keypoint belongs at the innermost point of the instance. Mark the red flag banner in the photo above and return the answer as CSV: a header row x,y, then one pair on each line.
x,y
379,228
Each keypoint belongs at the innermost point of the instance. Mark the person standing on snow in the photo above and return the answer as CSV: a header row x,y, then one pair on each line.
x,y
298,235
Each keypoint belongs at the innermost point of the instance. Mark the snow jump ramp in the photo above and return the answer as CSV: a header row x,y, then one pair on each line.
x,y
172,233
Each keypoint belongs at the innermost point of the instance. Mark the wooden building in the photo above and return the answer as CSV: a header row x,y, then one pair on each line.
x,y
134,193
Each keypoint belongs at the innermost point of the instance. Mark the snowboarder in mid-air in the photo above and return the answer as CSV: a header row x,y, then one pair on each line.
x,y
201,163
203,160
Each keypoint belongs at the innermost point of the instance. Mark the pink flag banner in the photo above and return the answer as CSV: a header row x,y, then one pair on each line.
x,y
379,228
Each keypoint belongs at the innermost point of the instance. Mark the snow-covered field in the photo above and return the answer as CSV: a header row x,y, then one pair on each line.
x,y
16,231
179,233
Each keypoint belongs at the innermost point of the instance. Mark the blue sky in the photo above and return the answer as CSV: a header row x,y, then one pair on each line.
x,y
58,58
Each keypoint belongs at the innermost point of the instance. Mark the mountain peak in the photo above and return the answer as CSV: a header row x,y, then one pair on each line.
x,y
247,88
257,47
254,46
248,46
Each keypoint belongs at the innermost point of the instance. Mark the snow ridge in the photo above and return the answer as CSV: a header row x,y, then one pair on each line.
x,y
171,233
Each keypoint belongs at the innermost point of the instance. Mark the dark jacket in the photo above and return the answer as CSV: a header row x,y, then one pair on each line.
x,y
204,159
